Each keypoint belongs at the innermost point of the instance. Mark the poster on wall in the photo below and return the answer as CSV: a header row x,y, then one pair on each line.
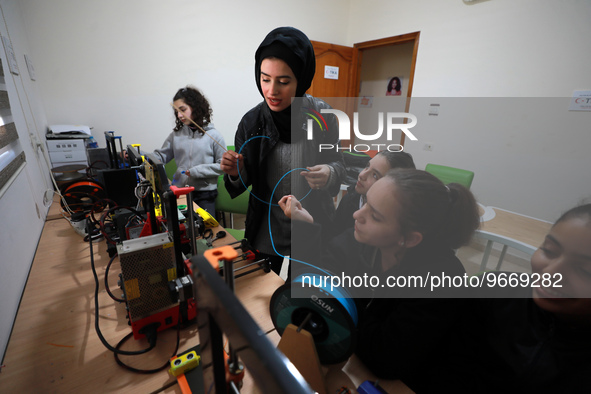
x,y
394,86
365,101
581,101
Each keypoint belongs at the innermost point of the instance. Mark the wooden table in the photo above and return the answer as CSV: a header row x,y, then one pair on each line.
x,y
513,225
54,346
510,229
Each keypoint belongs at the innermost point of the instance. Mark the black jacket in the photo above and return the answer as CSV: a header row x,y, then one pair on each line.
x,y
401,328
398,329
510,345
258,122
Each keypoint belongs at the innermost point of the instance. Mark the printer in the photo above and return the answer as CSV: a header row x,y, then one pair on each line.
x,y
64,131
66,144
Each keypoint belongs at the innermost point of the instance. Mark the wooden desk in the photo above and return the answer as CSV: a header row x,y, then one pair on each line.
x,y
510,229
54,346
513,225
351,374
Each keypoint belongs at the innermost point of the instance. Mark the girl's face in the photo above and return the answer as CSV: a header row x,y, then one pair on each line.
x,y
375,169
376,223
185,112
564,259
278,83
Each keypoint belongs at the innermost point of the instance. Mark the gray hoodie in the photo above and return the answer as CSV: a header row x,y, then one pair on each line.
x,y
197,153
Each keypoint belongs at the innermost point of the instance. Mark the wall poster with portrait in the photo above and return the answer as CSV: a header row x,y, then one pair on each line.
x,y
394,87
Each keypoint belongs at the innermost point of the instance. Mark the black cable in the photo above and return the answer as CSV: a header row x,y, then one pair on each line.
x,y
96,234
92,166
98,207
150,330
107,213
151,336
102,225
107,281
96,312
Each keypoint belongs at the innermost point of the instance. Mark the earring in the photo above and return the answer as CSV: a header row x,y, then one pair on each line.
x,y
401,243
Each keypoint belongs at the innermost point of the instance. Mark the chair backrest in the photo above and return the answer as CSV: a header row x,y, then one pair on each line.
x,y
451,175
507,242
225,203
170,168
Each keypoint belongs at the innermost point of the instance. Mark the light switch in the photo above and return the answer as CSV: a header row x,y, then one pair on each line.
x,y
434,110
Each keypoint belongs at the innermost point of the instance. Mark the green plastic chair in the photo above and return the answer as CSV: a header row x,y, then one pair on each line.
x,y
170,168
224,203
451,175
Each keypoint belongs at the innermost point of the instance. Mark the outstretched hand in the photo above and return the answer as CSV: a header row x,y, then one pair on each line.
x,y
293,209
229,163
317,176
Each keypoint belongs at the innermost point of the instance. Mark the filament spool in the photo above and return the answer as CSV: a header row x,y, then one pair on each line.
x,y
333,317
81,196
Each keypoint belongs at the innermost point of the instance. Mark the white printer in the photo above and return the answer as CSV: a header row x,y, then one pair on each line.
x,y
66,144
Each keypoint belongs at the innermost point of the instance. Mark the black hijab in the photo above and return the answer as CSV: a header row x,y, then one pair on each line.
x,y
294,48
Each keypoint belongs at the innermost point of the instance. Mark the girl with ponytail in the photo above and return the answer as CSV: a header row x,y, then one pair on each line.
x,y
405,234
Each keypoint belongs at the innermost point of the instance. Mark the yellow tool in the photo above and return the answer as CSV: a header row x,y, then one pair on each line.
x,y
184,363
207,218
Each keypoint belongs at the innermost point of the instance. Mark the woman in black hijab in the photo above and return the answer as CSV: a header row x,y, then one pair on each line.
x,y
272,140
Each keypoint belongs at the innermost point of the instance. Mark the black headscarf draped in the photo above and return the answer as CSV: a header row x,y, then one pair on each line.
x,y
294,48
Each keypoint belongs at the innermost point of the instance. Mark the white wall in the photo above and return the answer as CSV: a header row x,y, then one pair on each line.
x,y
504,49
22,213
116,65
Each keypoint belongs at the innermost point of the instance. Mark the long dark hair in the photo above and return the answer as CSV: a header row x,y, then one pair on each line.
x,y
398,84
398,159
446,215
581,211
201,110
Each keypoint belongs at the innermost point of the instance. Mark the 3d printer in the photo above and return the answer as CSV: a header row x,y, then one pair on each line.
x,y
155,278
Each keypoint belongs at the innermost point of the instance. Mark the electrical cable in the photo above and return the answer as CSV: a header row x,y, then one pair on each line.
x,y
150,330
107,280
149,335
96,235
96,313
271,233
250,191
92,166
107,213
98,206
142,189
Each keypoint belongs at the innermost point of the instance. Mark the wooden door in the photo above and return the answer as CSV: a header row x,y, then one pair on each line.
x,y
349,60
346,60
404,38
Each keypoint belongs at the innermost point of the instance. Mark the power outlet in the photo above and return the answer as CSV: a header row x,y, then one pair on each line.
x,y
428,147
